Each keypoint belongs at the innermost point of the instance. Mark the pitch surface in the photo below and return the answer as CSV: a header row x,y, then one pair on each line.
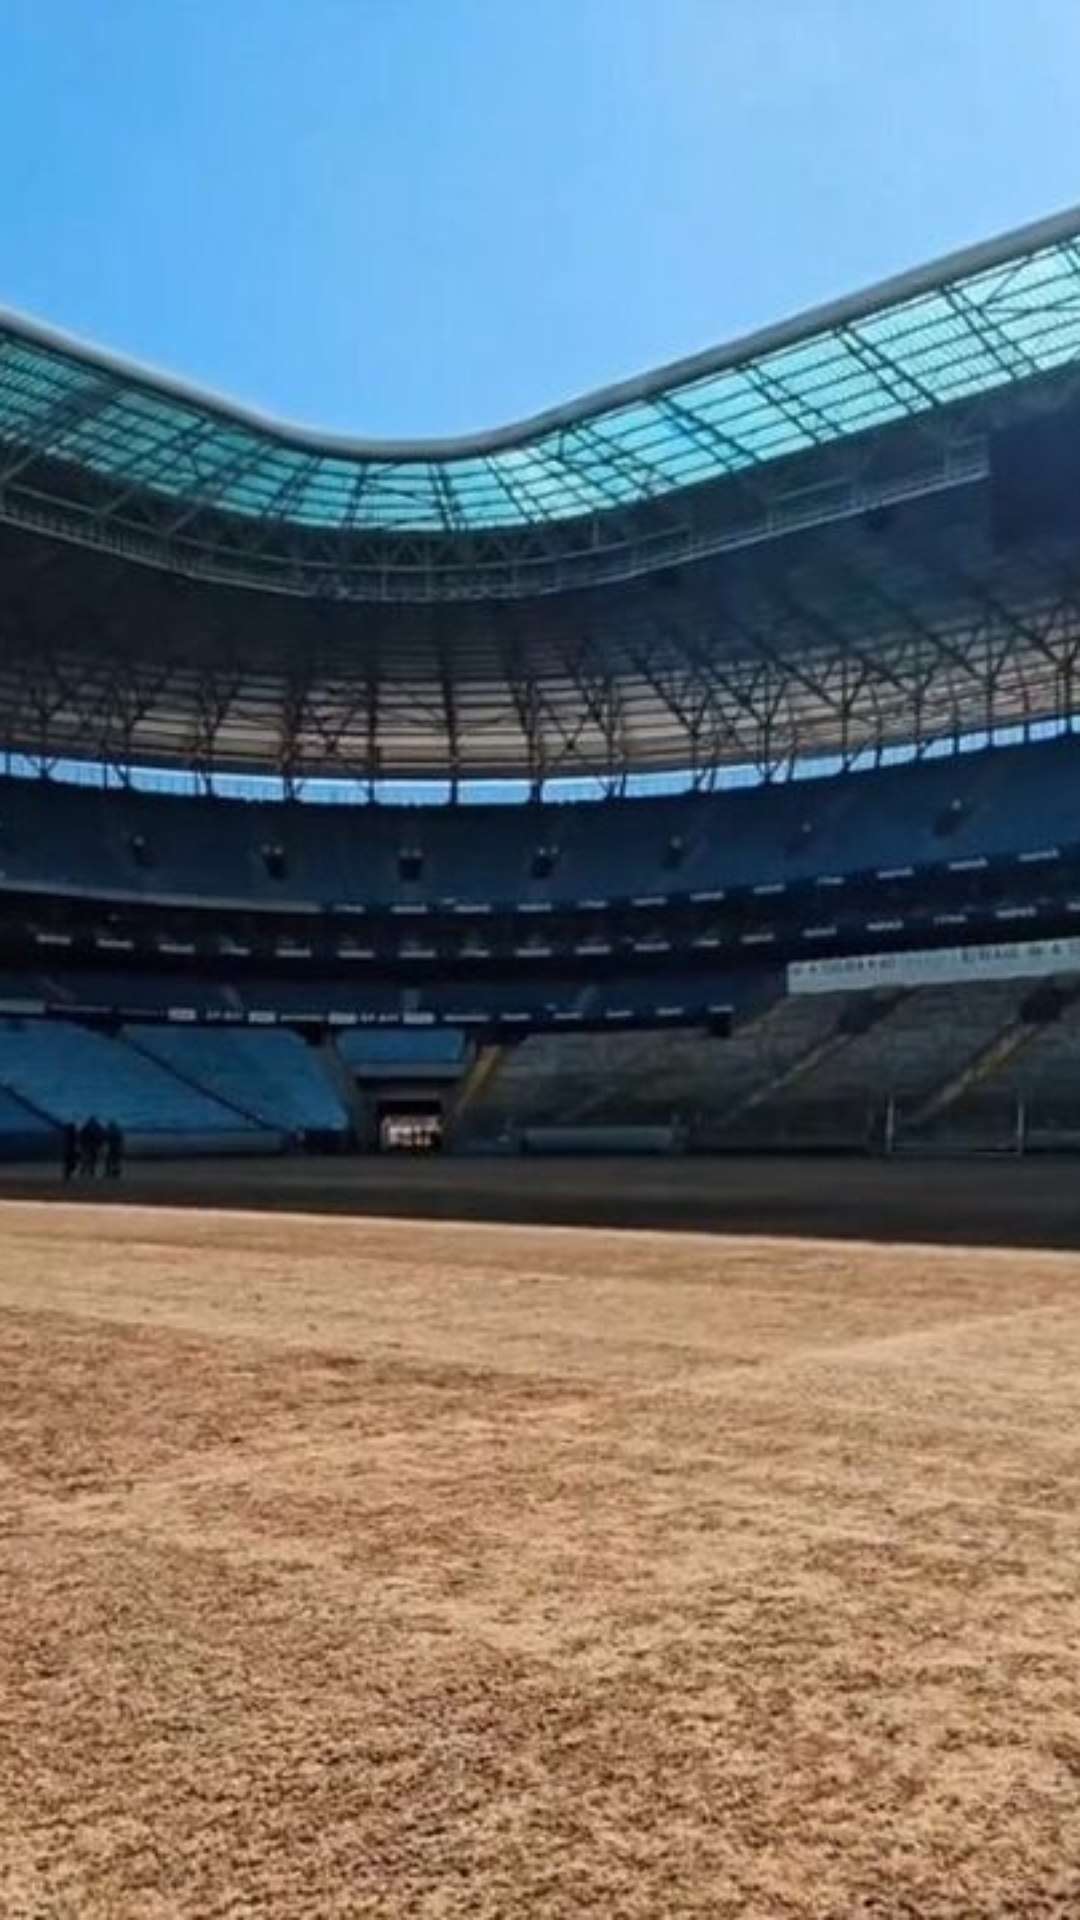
x,y
395,1569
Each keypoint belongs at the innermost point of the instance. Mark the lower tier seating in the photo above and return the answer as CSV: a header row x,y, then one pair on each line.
x,y
977,1061
820,1069
272,1078
898,1048
65,1072
648,1078
24,1134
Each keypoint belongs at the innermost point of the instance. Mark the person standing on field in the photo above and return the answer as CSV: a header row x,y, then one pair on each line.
x,y
91,1141
114,1150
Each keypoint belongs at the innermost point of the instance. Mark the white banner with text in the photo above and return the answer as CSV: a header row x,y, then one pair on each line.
x,y
936,966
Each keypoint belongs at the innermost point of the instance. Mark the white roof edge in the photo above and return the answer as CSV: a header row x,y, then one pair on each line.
x,y
804,325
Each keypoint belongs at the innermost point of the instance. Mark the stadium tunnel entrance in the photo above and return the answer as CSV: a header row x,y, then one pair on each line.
x,y
408,1124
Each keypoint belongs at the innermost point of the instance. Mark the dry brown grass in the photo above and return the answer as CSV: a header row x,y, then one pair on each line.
x,y
372,1568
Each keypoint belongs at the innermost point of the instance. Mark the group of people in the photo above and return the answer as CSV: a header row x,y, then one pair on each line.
x,y
94,1149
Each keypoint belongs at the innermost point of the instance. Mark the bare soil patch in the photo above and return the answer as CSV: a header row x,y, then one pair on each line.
x,y
369,1567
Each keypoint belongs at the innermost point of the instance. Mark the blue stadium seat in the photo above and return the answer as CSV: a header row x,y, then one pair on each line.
x,y
24,1134
412,1047
67,1072
271,1077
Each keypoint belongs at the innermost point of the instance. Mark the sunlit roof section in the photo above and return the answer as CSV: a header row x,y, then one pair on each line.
x,y
1000,314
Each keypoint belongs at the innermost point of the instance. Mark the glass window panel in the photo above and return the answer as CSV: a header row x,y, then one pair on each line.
x,y
1006,320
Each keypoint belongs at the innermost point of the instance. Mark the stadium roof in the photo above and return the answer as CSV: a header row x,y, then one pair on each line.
x,y
780,550
961,327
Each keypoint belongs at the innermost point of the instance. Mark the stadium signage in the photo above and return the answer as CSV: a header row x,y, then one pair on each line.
x,y
935,966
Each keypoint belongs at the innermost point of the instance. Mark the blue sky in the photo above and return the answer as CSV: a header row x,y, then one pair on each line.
x,y
425,216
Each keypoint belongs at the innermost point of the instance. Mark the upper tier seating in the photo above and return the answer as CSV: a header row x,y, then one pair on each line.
x,y
996,802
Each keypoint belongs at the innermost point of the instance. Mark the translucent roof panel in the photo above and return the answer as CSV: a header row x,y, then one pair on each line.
x,y
997,315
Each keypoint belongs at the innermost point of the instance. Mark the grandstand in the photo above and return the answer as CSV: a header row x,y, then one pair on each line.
x,y
701,756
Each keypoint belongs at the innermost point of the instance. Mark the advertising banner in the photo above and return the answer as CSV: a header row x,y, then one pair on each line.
x,y
936,966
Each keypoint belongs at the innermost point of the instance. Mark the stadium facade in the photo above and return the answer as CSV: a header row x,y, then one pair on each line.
x,y
845,545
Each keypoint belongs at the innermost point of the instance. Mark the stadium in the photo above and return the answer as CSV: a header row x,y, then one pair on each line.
x,y
669,809
473,783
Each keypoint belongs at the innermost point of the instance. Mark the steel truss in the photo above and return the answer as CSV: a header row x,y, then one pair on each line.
x,y
389,567
839,642
830,589
112,454
871,400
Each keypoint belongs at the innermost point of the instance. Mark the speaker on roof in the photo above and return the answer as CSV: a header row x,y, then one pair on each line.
x,y
1035,478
